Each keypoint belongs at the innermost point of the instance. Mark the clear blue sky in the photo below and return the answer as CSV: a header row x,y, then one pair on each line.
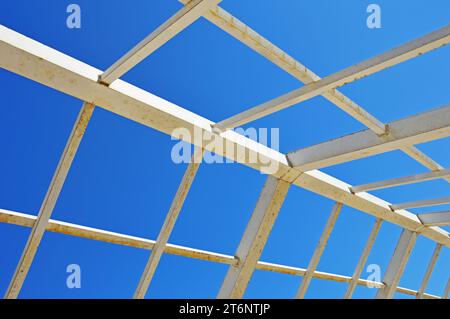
x,y
123,178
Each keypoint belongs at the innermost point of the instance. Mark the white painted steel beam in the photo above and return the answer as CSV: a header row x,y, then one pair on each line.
x,y
397,264
254,239
435,219
403,53
169,223
423,203
243,33
105,236
49,67
25,220
49,202
178,22
402,181
314,262
421,128
429,270
363,259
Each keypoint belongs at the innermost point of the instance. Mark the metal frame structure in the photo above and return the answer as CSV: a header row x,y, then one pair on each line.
x,y
37,62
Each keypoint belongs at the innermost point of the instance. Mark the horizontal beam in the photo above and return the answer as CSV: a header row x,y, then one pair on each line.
x,y
54,69
422,203
178,22
401,181
26,220
55,226
446,290
403,53
435,219
421,128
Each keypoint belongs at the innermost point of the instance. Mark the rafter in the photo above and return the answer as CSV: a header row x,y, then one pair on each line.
x,y
401,181
178,22
386,60
435,219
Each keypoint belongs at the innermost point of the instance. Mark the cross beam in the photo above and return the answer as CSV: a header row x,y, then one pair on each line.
x,y
402,181
169,223
421,128
386,60
435,219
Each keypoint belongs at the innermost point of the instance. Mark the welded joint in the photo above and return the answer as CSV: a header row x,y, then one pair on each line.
x,y
386,133
99,81
292,175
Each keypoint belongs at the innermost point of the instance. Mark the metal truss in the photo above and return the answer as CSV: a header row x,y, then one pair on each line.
x,y
37,62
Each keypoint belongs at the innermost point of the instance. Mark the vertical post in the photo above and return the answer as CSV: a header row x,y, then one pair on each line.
x,y
397,264
446,290
363,259
429,270
187,15
49,203
254,239
169,223
319,251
